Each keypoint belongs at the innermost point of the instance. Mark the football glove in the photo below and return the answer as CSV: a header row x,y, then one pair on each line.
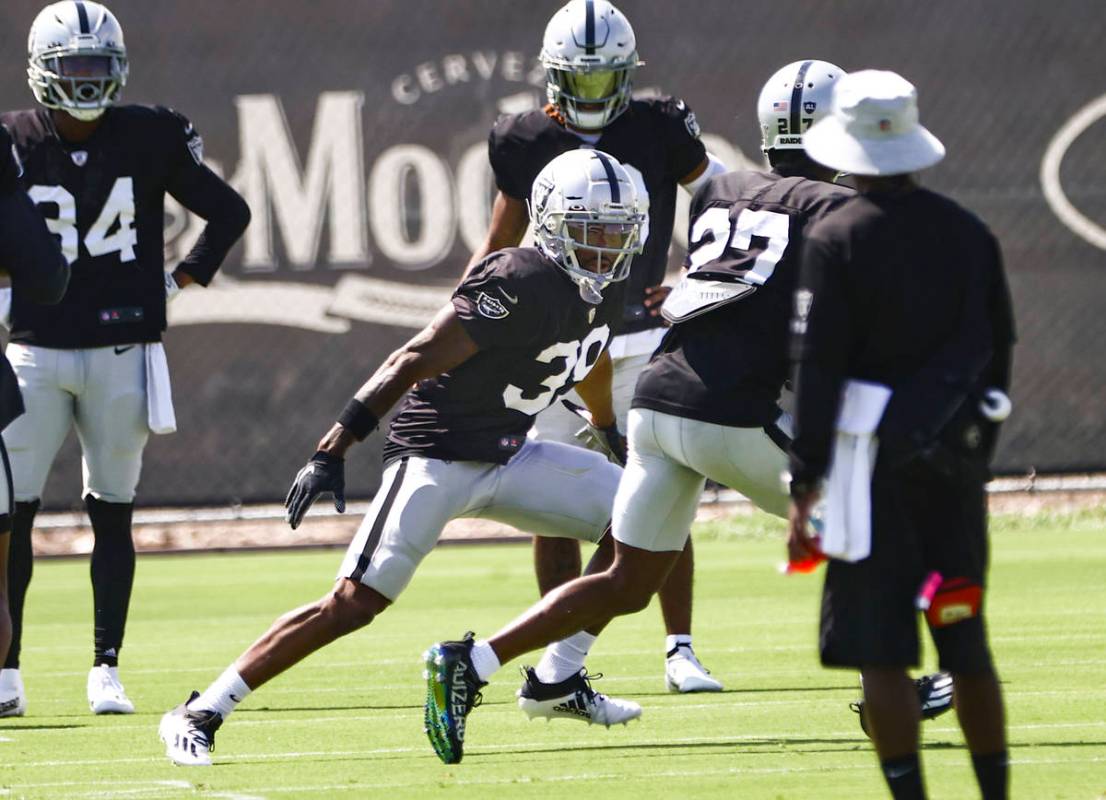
x,y
323,473
934,697
609,440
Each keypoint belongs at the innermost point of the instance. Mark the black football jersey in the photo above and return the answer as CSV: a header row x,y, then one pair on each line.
x,y
104,200
729,365
537,340
659,138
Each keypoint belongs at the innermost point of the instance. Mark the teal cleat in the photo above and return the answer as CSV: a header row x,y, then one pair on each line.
x,y
452,691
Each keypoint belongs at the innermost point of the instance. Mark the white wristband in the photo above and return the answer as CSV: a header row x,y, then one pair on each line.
x,y
171,287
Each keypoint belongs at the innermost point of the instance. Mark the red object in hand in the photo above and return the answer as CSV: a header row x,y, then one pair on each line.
x,y
807,564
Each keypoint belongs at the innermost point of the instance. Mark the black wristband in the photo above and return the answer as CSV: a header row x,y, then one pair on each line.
x,y
357,419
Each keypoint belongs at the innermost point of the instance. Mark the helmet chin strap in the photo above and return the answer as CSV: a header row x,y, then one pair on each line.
x,y
85,114
589,293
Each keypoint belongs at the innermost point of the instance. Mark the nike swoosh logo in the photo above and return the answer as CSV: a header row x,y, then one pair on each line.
x,y
236,698
514,300
120,350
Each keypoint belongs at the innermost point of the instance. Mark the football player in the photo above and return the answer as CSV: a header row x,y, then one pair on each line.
x,y
590,56
99,173
523,328
707,404
30,256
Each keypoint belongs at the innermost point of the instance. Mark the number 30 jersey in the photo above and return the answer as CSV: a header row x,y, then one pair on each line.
x,y
104,200
727,365
537,340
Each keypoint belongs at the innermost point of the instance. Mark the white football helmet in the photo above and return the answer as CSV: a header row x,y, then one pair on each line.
x,y
588,218
589,53
792,100
76,59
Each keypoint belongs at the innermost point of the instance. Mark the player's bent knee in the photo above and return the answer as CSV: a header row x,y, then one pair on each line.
x,y
628,592
351,606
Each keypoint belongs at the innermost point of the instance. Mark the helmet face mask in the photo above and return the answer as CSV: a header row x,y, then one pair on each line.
x,y
792,100
589,54
76,59
588,219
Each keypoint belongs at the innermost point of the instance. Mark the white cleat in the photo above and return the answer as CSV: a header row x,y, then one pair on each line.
x,y
189,735
13,700
683,672
573,699
105,693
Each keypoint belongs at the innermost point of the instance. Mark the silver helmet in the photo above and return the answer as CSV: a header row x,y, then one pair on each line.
x,y
76,58
589,53
793,99
588,218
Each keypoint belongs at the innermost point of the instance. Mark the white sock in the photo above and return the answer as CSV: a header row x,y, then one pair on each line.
x,y
224,695
484,660
561,660
672,641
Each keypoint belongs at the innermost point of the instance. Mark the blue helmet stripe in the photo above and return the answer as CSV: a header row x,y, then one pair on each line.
x,y
82,16
612,179
795,127
589,27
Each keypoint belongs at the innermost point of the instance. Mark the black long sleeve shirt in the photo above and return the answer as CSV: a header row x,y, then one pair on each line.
x,y
905,290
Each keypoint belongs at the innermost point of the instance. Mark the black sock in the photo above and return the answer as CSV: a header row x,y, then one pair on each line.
x,y
991,771
112,575
904,777
20,567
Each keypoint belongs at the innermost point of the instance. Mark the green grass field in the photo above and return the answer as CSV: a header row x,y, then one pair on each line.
x,y
349,720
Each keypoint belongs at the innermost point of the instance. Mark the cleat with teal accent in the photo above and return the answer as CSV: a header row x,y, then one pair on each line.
x,y
452,691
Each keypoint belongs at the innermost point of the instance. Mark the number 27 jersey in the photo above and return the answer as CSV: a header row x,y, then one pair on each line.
x,y
537,340
727,365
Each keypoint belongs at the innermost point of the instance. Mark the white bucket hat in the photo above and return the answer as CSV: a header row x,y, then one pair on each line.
x,y
874,128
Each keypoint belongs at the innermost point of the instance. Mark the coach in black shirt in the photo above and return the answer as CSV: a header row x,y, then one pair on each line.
x,y
902,338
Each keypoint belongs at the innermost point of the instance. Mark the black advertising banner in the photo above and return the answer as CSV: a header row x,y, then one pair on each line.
x,y
357,132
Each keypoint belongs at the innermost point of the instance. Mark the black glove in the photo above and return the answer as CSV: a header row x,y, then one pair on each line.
x,y
323,473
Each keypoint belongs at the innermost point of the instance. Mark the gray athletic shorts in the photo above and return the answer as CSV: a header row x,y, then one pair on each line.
x,y
7,491
670,458
101,391
547,488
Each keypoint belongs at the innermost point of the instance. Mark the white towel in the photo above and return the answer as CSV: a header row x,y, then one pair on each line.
x,y
159,394
848,513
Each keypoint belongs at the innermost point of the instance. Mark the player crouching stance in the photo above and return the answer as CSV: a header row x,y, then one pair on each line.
x,y
707,404
522,329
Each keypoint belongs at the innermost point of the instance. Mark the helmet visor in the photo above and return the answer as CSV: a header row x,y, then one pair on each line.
x,y
600,246
595,86
82,66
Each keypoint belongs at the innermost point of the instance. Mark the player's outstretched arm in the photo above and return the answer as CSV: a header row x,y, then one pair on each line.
x,y
439,347
509,221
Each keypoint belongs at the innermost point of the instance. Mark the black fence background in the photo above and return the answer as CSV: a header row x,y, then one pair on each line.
x,y
357,131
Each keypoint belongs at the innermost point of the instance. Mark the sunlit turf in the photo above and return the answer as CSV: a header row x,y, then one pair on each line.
x,y
348,721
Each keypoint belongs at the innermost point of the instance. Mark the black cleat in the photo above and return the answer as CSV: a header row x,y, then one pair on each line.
x,y
934,697
189,735
452,691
